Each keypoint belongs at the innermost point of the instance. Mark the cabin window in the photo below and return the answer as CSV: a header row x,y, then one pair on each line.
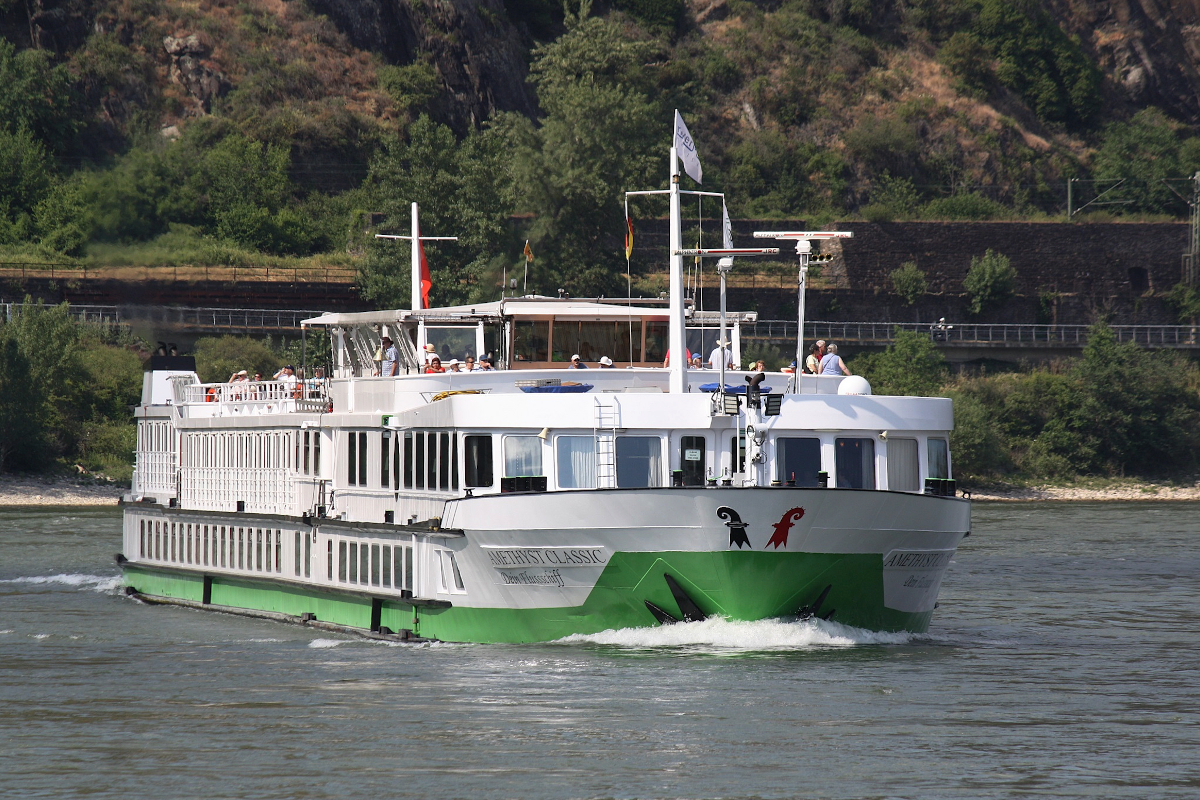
x,y
939,458
352,459
408,568
142,540
385,562
522,456
657,337
343,561
419,459
329,560
445,461
408,459
453,462
639,461
692,460
576,462
354,562
278,550
296,571
431,463
477,460
398,565
241,548
531,340
374,564
259,551
396,462
903,469
362,458
385,459
458,581
855,463
797,461
316,462
307,556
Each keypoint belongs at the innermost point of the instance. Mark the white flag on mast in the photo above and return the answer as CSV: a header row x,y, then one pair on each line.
x,y
726,226
687,150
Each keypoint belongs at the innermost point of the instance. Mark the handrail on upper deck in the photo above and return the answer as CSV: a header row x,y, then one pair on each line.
x,y
309,392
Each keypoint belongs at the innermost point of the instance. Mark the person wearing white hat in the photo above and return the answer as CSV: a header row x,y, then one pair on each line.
x,y
576,363
452,365
605,362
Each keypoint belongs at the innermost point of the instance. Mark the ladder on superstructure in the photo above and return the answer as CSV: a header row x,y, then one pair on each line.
x,y
608,420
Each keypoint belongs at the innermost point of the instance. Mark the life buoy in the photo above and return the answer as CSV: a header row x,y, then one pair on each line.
x,y
210,395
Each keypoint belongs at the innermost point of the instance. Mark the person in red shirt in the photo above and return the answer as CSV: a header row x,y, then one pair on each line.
x,y
435,365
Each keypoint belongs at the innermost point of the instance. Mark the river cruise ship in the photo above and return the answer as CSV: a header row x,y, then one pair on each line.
x,y
531,502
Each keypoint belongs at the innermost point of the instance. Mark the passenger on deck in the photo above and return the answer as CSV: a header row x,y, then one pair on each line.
x,y
605,362
391,359
576,363
714,359
696,363
667,360
812,364
435,365
469,364
485,364
238,377
452,365
832,363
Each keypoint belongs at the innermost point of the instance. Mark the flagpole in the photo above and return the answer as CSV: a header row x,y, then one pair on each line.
x,y
415,298
677,379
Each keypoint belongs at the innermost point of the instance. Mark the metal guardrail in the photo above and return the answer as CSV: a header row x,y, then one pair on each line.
x,y
976,334
202,318
187,272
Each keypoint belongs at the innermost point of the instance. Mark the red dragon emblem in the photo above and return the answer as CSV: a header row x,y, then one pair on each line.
x,y
779,538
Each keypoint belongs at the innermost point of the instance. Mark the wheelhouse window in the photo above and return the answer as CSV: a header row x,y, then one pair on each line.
x,y
855,463
477,460
531,340
576,462
692,460
903,469
522,456
639,461
939,458
797,461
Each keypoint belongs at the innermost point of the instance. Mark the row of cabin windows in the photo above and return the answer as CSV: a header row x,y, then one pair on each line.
x,y
370,564
427,460
227,546
293,450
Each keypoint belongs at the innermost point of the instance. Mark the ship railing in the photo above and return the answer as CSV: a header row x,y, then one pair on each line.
x,y
309,395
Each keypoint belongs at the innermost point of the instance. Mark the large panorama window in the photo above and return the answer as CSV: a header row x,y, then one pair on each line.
x,y
522,456
797,461
903,471
576,462
639,461
855,463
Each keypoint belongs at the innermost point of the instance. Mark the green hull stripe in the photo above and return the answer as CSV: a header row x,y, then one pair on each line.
x,y
737,585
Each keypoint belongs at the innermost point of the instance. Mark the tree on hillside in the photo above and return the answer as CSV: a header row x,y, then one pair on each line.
x,y
463,189
1147,151
600,135
909,282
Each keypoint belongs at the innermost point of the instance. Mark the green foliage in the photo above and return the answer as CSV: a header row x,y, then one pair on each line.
x,y
773,176
965,206
911,366
893,198
666,14
217,358
463,189
976,443
413,86
1146,151
597,139
38,97
970,60
25,178
1038,61
990,281
909,283
885,143
1184,300
65,393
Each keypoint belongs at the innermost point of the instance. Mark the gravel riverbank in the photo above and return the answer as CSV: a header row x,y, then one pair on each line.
x,y
30,491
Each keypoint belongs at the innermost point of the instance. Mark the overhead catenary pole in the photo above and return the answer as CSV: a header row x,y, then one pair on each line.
x,y
416,293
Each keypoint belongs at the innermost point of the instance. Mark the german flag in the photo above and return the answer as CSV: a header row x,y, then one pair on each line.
x,y
628,237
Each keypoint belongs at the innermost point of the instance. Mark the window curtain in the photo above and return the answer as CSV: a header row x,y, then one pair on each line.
x,y
577,462
522,456
939,459
639,461
903,471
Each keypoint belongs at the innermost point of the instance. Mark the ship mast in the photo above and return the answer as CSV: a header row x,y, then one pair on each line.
x,y
415,238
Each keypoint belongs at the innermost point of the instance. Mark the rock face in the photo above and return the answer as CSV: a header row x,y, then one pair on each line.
x,y
189,69
475,49
1150,49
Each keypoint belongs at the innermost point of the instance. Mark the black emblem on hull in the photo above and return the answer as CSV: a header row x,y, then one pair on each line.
x,y
737,528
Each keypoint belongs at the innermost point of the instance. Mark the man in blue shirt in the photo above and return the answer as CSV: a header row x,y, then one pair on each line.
x,y
576,363
832,363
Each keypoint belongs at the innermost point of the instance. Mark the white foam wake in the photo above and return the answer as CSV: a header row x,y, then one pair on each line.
x,y
720,634
97,583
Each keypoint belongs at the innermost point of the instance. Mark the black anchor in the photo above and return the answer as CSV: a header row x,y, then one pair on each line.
x,y
737,528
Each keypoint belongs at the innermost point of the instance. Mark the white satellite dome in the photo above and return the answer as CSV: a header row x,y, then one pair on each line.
x,y
854,384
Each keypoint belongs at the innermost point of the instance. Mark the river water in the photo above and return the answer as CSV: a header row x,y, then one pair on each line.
x,y
1063,662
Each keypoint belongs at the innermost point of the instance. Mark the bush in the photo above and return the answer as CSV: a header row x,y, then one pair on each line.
x,y
990,281
976,443
970,60
909,283
1184,300
970,206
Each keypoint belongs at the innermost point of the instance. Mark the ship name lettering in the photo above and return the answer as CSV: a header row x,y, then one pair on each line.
x,y
918,560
